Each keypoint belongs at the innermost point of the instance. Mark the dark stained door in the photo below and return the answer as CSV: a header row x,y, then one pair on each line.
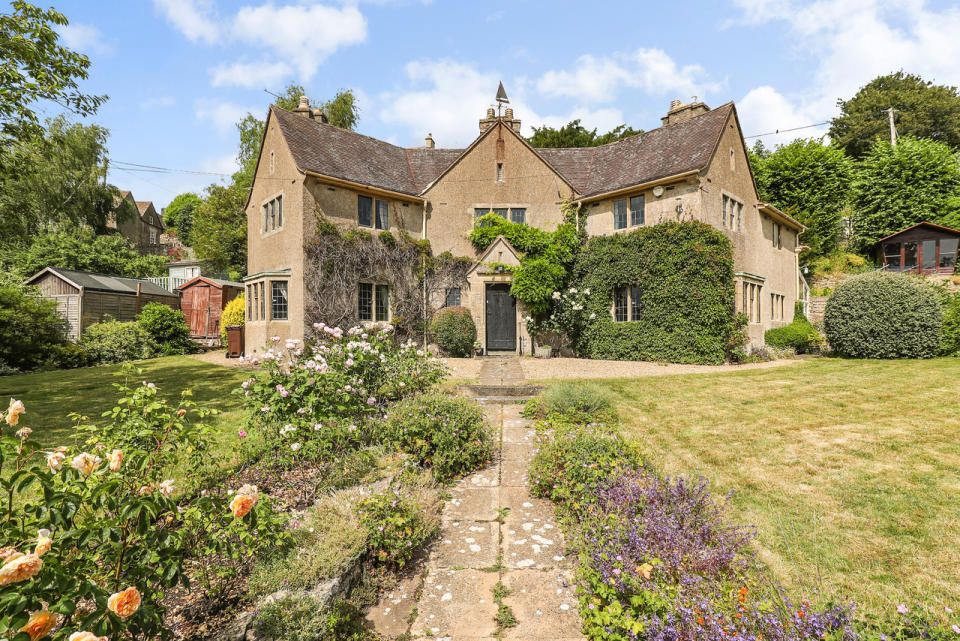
x,y
501,318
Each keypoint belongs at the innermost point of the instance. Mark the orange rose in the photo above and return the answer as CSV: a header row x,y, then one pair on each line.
x,y
20,568
40,624
241,505
86,636
124,603
14,411
116,460
44,542
8,553
85,463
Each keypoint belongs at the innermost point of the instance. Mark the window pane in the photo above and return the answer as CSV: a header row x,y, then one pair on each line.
x,y
383,215
266,217
909,255
635,302
364,211
263,302
249,302
948,252
501,212
383,302
452,298
273,214
518,215
279,211
620,304
278,299
480,211
636,210
365,302
739,216
620,214
929,254
726,201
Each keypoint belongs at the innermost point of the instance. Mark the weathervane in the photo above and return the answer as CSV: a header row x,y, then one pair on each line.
x,y
501,98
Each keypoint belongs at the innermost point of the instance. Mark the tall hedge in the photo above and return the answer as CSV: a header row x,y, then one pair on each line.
x,y
685,275
883,315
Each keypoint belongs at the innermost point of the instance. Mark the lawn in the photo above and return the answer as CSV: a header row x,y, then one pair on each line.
x,y
850,470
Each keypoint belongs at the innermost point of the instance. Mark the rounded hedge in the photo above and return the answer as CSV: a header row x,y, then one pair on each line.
x,y
116,342
167,327
800,335
454,331
883,315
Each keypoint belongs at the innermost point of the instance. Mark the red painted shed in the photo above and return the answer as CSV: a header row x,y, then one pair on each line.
x,y
924,248
202,300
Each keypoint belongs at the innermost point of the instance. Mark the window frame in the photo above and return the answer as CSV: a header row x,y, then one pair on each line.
x,y
523,215
275,303
384,222
635,220
272,214
450,293
375,290
627,306
620,217
499,172
370,212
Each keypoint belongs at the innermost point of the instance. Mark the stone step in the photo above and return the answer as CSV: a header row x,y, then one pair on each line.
x,y
484,391
499,400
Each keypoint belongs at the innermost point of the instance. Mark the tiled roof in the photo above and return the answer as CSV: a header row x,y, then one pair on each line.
x,y
106,283
143,206
655,154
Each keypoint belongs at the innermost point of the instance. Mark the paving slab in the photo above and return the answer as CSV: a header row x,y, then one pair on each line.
x,y
518,451
531,536
514,474
544,605
391,616
487,477
457,603
519,434
466,544
474,503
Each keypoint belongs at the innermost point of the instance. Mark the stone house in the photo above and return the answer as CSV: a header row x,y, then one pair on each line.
x,y
142,225
693,167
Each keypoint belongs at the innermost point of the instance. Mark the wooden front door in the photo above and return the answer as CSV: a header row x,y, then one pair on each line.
x,y
501,315
198,310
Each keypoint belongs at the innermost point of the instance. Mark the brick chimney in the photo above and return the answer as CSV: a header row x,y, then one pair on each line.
x,y
319,116
303,108
486,123
429,143
680,111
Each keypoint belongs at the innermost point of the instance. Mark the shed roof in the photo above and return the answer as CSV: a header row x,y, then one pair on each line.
x,y
219,282
91,281
931,226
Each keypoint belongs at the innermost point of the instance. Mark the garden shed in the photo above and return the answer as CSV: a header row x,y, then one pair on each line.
x,y
85,298
924,248
202,301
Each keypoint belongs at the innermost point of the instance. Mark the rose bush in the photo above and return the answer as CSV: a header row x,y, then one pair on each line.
x,y
92,535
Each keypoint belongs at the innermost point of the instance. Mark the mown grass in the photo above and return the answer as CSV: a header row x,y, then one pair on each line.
x,y
50,398
850,470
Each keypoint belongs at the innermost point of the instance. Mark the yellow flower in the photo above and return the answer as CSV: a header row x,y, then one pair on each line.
x,y
116,460
85,463
55,461
40,624
20,568
247,496
14,411
86,636
124,603
44,542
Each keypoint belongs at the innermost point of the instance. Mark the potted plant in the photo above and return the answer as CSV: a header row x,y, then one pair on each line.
x,y
478,348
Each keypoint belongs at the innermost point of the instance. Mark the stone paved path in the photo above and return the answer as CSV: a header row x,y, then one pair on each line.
x,y
493,530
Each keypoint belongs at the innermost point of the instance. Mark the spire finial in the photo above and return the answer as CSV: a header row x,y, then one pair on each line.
x,y
502,94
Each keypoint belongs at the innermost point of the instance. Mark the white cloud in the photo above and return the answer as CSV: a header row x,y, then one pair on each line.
x,y
253,75
195,19
159,101
222,115
225,164
764,110
304,35
853,41
596,79
84,38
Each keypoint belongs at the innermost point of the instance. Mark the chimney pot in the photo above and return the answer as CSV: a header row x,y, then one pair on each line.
x,y
509,113
303,108
430,144
304,101
674,104
490,112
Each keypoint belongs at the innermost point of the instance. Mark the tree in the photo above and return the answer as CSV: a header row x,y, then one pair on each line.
x,y
85,251
918,180
810,181
55,180
219,233
34,67
923,110
179,214
573,134
30,328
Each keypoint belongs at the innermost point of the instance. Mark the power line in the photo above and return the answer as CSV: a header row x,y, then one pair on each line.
x,y
783,131
132,166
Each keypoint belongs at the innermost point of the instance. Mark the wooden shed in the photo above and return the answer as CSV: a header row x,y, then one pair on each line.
x,y
84,298
924,248
202,302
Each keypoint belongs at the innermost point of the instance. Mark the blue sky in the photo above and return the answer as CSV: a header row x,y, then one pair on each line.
x,y
180,73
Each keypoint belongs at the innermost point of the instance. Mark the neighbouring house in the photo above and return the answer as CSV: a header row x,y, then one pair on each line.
x,y
84,298
138,221
925,248
693,167
202,300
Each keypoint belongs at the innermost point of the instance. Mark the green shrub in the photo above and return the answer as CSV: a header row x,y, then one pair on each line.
x,y
116,342
535,282
883,315
444,432
574,400
950,332
800,335
30,328
67,356
838,263
304,619
396,527
232,315
578,462
454,331
684,276
167,327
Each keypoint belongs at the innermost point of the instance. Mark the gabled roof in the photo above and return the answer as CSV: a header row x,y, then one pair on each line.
x,y
218,282
91,281
669,150
500,241
934,227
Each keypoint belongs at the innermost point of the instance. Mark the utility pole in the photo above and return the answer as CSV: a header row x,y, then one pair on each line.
x,y
893,128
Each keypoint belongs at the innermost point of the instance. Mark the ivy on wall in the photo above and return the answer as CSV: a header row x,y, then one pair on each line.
x,y
336,262
684,272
